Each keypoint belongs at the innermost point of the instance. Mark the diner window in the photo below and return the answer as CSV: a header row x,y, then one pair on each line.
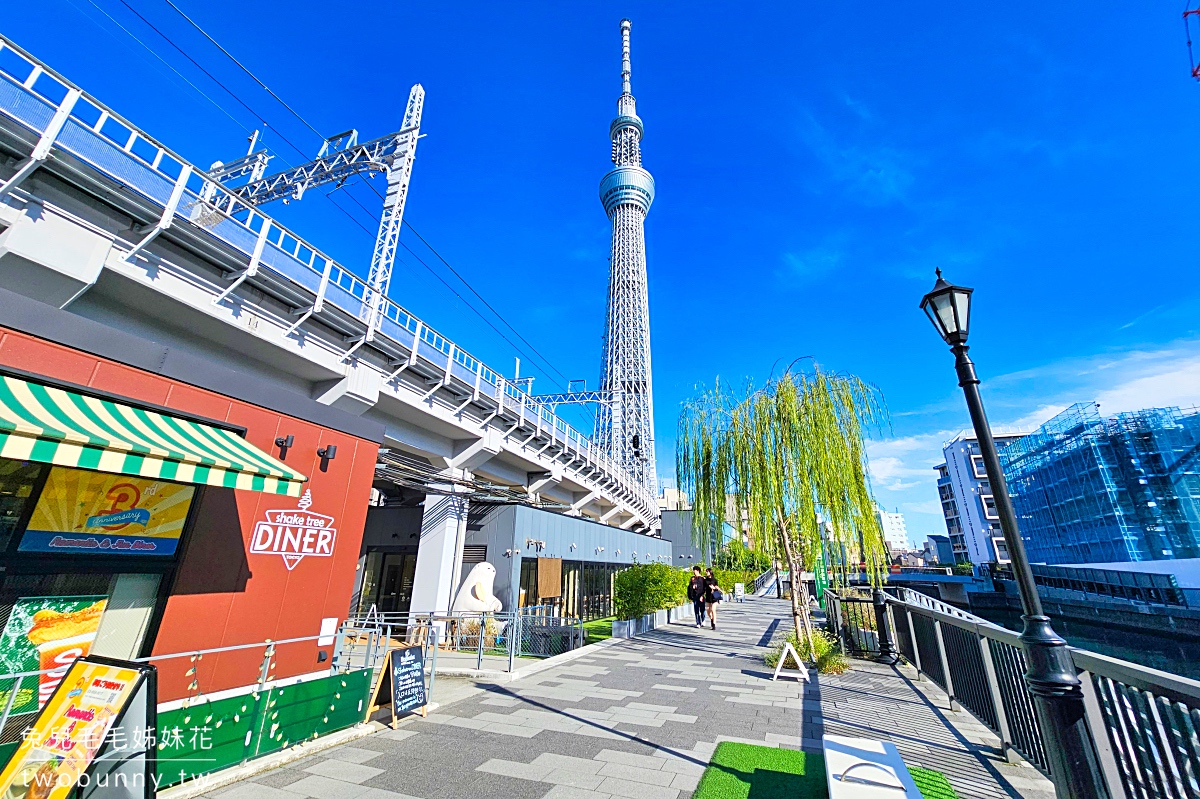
x,y
19,482
49,620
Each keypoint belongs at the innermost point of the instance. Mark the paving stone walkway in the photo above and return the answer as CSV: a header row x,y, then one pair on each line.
x,y
640,719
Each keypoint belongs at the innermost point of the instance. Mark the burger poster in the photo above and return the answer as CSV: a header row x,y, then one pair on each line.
x,y
108,514
46,634
61,745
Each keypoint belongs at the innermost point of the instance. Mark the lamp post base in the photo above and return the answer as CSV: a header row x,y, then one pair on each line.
x,y
1058,700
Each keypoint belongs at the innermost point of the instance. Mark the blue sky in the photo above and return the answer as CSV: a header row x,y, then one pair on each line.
x,y
814,164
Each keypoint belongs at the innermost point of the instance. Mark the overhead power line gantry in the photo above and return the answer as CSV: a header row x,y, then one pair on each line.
x,y
341,157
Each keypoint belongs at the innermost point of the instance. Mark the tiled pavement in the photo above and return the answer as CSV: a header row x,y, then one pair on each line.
x,y
640,719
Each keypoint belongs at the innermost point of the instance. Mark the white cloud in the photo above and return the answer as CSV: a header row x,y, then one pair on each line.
x,y
898,464
1032,420
1162,384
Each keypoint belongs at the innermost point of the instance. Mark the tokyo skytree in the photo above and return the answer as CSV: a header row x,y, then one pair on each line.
x,y
625,424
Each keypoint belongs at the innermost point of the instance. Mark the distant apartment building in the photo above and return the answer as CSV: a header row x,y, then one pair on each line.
x,y
1126,488
938,550
972,524
895,533
673,499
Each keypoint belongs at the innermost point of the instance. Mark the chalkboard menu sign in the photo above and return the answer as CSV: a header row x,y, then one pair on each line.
x,y
401,683
408,680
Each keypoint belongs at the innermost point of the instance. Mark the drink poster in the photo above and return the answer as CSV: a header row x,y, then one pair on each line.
x,y
83,512
64,740
46,633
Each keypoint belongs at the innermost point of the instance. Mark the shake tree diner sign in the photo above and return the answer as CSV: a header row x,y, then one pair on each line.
x,y
295,534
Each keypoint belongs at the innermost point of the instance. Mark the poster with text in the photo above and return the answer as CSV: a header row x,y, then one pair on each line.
x,y
46,634
83,512
62,743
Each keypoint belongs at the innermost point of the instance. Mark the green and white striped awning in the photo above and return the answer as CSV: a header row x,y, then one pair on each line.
x,y
49,425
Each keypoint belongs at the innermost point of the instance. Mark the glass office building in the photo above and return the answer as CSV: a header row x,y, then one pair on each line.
x,y
1089,489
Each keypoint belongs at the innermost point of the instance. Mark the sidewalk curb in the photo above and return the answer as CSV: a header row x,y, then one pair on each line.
x,y
219,779
495,675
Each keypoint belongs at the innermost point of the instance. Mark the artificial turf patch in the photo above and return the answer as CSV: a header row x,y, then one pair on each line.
x,y
598,629
744,771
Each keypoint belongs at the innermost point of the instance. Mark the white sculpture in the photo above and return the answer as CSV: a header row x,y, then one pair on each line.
x,y
475,593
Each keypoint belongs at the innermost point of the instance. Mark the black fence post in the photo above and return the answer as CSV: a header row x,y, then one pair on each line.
x,y
887,649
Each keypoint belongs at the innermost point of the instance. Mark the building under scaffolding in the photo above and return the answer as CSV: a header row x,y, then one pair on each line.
x,y
1089,489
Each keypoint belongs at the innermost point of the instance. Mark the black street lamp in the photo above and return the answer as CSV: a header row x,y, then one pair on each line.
x,y
1050,676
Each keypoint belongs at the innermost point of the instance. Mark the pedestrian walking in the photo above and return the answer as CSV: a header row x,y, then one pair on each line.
x,y
695,591
712,596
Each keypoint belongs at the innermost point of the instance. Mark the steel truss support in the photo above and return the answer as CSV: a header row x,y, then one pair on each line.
x,y
341,158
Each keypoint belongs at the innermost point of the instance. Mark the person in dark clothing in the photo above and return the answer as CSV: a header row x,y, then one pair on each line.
x,y
695,592
712,595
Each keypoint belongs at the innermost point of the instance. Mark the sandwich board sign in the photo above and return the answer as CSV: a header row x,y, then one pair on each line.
x,y
788,649
95,735
401,683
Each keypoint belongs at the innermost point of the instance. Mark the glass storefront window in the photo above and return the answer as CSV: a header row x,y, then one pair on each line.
x,y
388,582
75,578
49,620
18,481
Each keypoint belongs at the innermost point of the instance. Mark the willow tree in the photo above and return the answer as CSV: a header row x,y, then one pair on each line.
x,y
790,459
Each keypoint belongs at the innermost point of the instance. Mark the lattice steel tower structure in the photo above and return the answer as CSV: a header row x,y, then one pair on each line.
x,y
625,424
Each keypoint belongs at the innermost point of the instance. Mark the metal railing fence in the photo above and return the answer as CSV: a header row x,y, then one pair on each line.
x,y
1144,723
529,632
494,640
251,666
852,620
762,581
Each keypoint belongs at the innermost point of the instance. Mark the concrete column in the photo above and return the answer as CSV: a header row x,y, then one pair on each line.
x,y
443,532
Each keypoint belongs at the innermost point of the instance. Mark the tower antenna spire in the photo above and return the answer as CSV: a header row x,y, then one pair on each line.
x,y
625,424
625,26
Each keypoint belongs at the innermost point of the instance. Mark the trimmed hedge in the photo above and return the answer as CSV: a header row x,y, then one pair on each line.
x,y
646,587
727,577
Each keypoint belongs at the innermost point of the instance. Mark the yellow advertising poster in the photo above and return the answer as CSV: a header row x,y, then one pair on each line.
x,y
111,514
64,740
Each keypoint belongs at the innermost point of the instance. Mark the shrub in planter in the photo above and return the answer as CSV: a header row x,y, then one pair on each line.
x,y
727,577
829,657
646,587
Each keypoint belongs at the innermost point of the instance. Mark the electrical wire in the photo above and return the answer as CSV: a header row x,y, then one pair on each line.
x,y
545,361
465,282
461,298
150,50
199,91
195,63
253,77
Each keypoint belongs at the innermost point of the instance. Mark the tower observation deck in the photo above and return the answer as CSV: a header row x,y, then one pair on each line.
x,y
625,425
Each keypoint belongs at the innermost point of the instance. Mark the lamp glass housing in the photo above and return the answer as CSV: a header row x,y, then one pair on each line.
x,y
949,308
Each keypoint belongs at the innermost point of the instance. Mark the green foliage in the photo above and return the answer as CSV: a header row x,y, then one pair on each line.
x,y
727,577
745,771
736,556
829,657
790,459
646,587
964,569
